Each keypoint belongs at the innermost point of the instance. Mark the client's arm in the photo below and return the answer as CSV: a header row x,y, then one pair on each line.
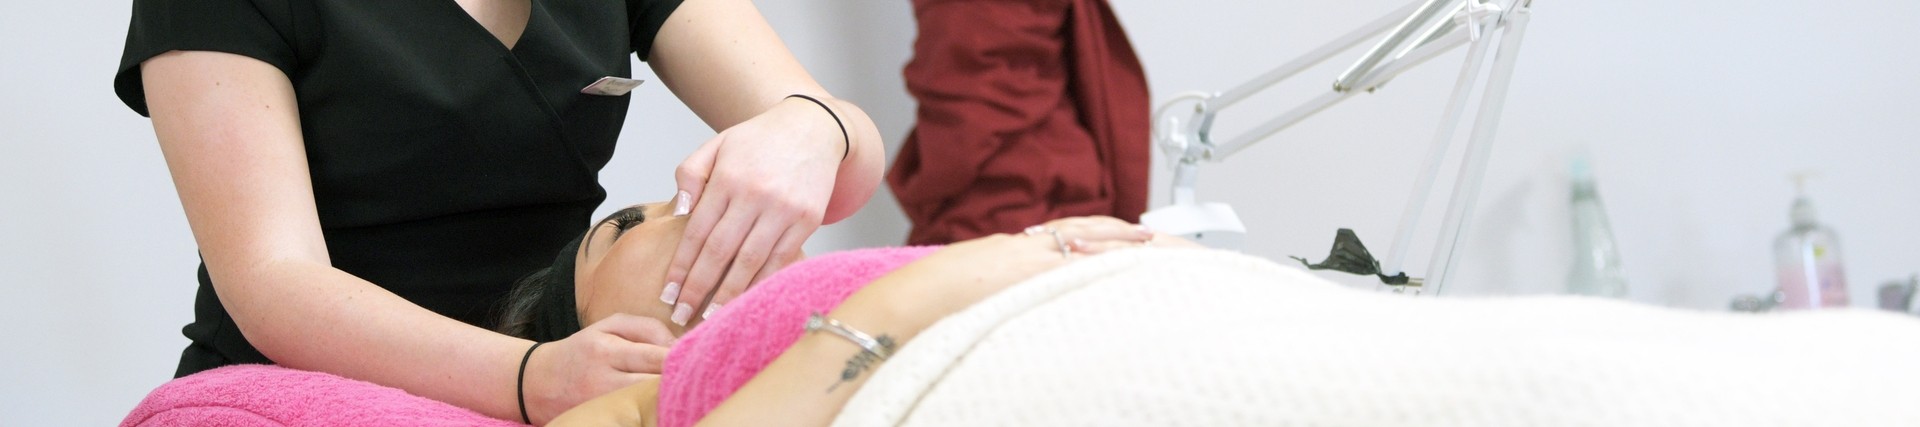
x,y
815,376
809,383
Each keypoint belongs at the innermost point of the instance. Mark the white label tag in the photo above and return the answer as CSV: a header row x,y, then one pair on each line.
x,y
611,86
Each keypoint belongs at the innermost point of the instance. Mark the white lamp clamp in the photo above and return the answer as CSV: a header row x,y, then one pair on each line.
x,y
1416,37
1212,224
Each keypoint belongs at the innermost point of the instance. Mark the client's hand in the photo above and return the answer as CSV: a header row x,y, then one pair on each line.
x,y
610,354
975,269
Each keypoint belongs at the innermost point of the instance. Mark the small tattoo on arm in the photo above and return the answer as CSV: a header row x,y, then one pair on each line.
x,y
861,361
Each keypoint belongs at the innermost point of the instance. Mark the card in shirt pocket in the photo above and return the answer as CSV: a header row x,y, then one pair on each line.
x,y
611,86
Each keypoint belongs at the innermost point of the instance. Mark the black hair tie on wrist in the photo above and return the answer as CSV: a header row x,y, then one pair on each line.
x,y
846,141
520,384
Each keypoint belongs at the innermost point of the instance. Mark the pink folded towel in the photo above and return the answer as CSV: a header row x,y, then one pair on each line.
x,y
742,337
705,367
261,395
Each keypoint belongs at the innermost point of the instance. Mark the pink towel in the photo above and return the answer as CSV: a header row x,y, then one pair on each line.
x,y
741,338
261,395
705,367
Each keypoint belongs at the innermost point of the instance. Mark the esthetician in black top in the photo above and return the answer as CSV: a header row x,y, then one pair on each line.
x,y
365,178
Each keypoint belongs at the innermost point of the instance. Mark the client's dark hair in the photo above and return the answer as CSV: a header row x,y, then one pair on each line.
x,y
540,307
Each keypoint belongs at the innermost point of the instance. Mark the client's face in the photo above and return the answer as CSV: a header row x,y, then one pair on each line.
x,y
622,264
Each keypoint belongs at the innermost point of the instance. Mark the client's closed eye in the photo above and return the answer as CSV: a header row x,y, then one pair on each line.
x,y
620,221
627,218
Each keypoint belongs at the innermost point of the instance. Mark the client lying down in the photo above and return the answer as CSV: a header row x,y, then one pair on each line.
x,y
1005,330
1173,335
871,302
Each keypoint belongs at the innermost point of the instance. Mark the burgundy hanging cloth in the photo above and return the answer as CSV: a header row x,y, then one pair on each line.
x,y
1030,110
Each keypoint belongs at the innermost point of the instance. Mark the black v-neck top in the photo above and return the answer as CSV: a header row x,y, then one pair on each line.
x,y
444,165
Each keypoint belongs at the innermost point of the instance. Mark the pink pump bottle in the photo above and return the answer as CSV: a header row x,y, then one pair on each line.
x,y
1807,258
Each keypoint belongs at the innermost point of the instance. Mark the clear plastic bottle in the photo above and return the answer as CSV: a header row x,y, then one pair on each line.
x,y
1808,259
1596,258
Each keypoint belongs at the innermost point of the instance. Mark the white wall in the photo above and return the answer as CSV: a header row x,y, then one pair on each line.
x,y
1694,112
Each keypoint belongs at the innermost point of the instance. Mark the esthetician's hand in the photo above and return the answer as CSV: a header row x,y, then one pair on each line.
x,y
608,355
756,192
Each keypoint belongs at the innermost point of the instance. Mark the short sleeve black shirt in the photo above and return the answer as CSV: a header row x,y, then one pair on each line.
x,y
444,164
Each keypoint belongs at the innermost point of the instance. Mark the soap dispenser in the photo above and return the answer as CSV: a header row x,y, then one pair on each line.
x,y
1807,258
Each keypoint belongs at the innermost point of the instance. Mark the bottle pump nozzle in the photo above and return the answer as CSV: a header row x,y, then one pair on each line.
x,y
1802,213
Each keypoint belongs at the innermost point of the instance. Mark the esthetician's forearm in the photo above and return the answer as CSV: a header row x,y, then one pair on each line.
x,y
229,129
315,317
728,65
859,175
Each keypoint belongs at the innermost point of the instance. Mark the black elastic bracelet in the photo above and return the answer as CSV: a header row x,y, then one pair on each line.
x,y
846,141
520,384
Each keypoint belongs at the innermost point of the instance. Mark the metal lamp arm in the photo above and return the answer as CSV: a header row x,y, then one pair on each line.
x,y
1417,40
1369,73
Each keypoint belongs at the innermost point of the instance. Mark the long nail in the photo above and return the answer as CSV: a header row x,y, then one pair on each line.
x,y
709,312
682,313
683,204
671,294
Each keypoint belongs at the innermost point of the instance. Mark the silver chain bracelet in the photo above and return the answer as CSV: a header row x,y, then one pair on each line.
x,y
867,343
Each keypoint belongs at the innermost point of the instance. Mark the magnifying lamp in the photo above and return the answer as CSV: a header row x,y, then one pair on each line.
x,y
1492,30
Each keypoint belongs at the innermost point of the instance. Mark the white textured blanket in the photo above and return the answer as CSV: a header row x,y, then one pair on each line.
x,y
1207,338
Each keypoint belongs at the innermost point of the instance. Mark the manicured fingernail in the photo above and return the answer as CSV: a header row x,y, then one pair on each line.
x,y
682,204
1078,244
1143,229
709,313
682,313
671,294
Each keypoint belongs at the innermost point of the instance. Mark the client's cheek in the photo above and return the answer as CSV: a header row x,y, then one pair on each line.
x,y
612,295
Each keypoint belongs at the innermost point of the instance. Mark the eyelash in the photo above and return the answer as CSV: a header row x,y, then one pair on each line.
x,y
621,221
627,220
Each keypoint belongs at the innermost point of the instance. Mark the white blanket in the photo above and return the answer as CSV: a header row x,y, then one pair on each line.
x,y
1209,338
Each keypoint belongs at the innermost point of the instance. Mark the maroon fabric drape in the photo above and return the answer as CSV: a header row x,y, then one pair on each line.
x,y
1030,110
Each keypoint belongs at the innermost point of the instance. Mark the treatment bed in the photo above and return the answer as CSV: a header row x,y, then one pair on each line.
x,y
1208,338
